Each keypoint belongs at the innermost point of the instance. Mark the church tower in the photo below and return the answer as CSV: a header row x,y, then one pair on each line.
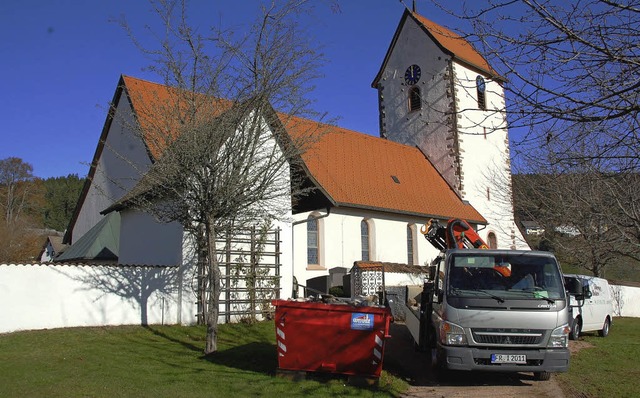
x,y
435,91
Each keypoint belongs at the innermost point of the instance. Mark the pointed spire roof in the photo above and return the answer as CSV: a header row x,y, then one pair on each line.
x,y
449,41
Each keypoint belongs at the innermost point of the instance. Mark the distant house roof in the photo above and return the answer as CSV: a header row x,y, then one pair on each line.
x,y
102,242
531,225
449,41
55,241
350,168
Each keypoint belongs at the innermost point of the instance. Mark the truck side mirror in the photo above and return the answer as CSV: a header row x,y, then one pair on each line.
x,y
587,292
574,288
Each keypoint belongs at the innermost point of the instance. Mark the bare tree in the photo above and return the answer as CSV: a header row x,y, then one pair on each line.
x,y
577,208
571,69
227,158
572,91
15,176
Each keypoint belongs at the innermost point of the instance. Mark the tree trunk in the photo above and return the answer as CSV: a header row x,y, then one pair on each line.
x,y
203,254
214,290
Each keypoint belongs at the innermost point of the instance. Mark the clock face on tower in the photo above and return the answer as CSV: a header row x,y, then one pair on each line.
x,y
412,75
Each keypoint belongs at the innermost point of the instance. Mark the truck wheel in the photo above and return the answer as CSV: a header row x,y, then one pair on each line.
x,y
605,328
541,376
438,366
575,329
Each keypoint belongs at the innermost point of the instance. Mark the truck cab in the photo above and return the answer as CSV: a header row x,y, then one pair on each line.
x,y
496,310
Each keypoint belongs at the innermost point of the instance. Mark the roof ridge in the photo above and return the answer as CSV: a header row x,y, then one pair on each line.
x,y
144,80
435,29
300,118
355,132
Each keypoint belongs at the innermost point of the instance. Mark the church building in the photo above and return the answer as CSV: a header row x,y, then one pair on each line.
x,y
442,153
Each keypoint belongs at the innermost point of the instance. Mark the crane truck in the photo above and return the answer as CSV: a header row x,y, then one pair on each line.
x,y
489,310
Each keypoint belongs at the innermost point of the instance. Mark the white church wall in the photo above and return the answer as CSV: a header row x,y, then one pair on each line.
x,y
123,161
340,240
146,241
428,128
484,157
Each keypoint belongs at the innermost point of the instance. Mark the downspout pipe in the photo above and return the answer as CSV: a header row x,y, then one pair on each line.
x,y
293,250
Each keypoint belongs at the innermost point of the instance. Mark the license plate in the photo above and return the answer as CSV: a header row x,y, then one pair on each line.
x,y
508,358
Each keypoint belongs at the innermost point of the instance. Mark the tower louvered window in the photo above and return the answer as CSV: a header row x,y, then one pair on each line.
x,y
415,99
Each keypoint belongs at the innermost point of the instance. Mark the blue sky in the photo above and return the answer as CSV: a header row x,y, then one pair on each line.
x,y
61,60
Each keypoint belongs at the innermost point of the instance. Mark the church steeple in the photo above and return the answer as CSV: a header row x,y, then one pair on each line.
x,y
436,92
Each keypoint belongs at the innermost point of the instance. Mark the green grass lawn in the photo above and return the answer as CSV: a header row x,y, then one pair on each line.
x,y
167,361
611,368
158,361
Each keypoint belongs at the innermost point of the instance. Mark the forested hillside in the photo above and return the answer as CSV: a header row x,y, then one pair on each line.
x,y
32,208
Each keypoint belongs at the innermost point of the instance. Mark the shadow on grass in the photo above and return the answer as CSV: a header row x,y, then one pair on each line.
x,y
258,357
185,344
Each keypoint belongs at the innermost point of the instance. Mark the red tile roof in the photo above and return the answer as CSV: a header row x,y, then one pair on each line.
x,y
351,168
456,45
153,102
359,170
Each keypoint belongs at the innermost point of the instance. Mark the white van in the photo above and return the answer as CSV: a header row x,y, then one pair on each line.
x,y
595,312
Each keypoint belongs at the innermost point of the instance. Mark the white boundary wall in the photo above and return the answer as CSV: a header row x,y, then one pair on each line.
x,y
625,300
43,296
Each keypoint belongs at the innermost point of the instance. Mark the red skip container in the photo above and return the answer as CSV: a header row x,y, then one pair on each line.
x,y
333,338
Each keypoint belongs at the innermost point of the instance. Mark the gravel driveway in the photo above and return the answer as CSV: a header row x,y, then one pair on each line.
x,y
402,360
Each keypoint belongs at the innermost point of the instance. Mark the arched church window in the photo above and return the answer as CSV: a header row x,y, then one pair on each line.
x,y
481,88
415,99
313,257
492,240
364,239
409,245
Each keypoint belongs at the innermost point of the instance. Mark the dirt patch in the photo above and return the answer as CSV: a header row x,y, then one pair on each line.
x,y
577,345
402,360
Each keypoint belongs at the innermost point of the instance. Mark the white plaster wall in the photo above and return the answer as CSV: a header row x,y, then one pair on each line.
x,y
484,157
625,300
484,162
340,244
427,128
123,161
146,241
44,296
277,208
39,296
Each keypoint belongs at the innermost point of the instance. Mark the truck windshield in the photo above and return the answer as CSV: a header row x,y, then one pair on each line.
x,y
517,276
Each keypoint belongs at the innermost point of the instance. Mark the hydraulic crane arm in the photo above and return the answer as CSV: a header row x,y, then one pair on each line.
x,y
457,234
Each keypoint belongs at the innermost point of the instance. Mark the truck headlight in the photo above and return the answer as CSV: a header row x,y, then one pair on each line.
x,y
560,337
452,334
